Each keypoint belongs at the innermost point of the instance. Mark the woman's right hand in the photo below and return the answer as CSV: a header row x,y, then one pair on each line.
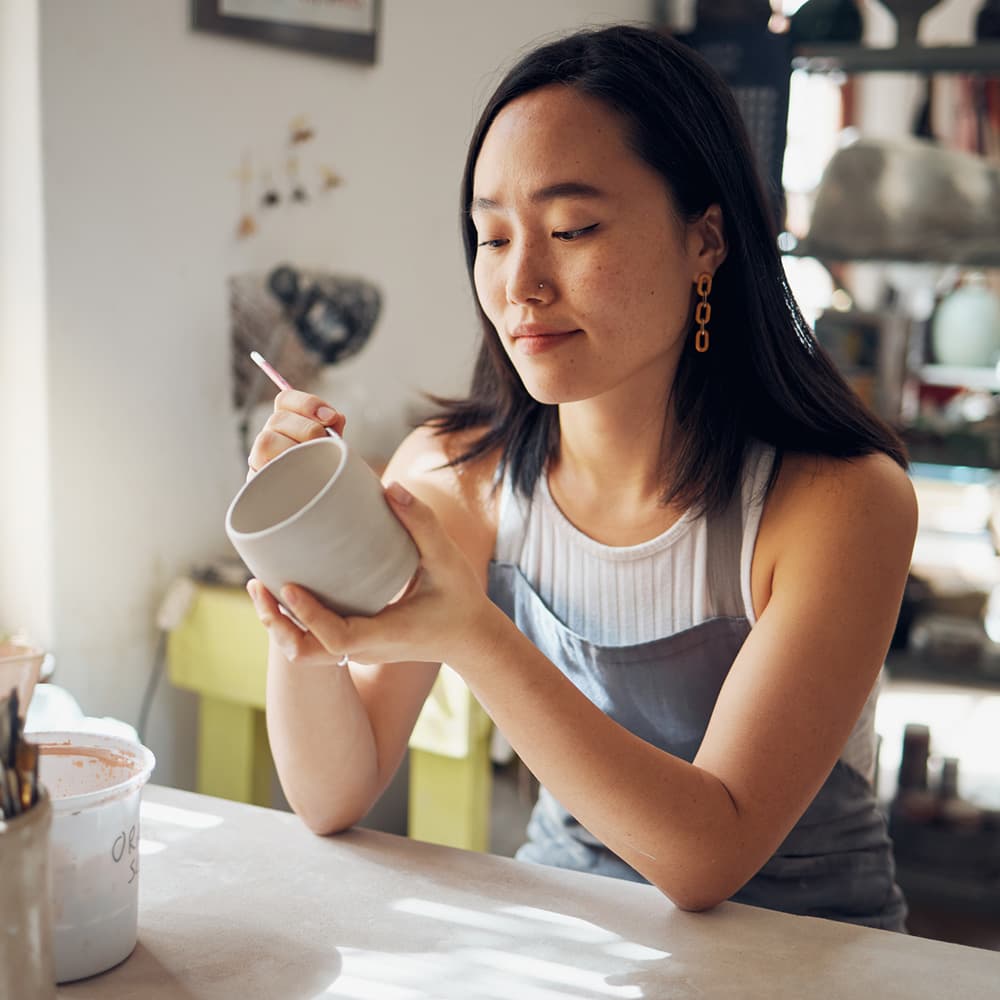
x,y
297,417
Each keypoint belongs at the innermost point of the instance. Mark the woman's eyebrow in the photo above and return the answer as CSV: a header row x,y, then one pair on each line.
x,y
564,189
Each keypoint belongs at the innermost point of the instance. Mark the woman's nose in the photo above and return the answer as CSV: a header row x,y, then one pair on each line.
x,y
528,280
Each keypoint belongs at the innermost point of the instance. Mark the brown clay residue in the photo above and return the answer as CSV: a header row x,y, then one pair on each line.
x,y
105,767
96,755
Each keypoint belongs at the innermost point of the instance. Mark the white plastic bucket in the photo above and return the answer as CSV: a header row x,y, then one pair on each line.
x,y
95,784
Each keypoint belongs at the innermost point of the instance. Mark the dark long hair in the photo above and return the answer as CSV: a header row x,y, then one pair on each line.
x,y
764,377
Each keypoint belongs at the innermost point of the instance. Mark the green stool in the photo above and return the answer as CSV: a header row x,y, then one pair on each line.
x,y
219,651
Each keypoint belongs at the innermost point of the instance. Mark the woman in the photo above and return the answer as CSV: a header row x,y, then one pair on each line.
x,y
662,541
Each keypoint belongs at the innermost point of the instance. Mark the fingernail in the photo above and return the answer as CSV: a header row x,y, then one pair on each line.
x,y
289,597
399,493
326,415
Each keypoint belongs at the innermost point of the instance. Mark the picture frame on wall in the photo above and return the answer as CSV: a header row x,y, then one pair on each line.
x,y
340,29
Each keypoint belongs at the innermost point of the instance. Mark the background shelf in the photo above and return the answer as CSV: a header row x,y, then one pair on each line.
x,y
966,378
983,58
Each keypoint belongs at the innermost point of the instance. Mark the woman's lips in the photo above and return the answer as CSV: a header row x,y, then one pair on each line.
x,y
536,343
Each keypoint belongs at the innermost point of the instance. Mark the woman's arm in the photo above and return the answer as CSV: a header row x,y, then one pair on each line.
x,y
830,565
338,734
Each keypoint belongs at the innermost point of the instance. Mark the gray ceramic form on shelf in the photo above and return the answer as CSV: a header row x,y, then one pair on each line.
x,y
906,199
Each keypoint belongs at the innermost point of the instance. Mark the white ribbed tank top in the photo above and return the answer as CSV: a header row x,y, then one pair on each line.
x,y
626,595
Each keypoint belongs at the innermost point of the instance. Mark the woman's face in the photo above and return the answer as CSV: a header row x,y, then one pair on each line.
x,y
583,266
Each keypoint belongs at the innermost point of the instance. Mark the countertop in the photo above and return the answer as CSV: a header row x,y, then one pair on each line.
x,y
240,901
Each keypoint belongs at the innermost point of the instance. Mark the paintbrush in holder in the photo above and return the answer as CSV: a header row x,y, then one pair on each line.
x,y
26,959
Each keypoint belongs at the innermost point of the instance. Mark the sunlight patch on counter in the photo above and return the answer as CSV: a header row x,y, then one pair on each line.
x,y
190,818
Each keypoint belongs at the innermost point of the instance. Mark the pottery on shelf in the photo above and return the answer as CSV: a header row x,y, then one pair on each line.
x,y
988,22
965,328
820,22
908,14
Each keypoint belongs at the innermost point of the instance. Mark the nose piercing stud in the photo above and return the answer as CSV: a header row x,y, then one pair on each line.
x,y
541,284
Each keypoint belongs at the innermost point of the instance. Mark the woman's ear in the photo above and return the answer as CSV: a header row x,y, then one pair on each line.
x,y
707,240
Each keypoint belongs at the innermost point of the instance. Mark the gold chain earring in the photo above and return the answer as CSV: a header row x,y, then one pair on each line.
x,y
703,312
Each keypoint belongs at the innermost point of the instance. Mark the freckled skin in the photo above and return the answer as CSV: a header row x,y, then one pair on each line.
x,y
627,284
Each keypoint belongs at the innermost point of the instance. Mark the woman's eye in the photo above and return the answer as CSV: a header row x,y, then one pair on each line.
x,y
492,244
568,235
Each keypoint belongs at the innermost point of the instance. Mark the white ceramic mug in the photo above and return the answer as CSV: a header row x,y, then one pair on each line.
x,y
316,515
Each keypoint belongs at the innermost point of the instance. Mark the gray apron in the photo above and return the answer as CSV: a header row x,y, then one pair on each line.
x,y
837,860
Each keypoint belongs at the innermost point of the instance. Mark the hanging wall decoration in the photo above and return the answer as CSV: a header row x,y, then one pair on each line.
x,y
269,196
300,319
247,224
299,130
291,176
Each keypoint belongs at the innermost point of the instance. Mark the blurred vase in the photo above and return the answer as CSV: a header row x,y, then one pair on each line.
x,y
965,329
718,13
818,22
908,14
988,21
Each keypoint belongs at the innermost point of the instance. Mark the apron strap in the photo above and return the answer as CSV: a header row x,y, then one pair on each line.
x,y
725,545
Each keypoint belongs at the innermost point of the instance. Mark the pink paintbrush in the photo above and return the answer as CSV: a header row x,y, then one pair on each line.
x,y
277,378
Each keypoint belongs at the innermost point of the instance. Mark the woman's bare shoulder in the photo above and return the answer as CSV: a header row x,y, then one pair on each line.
x,y
824,511
868,483
461,493
869,498
430,456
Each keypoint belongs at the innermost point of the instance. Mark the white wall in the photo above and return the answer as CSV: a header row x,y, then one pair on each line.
x,y
142,124
25,527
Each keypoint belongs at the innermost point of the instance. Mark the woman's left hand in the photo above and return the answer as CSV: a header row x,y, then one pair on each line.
x,y
442,616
